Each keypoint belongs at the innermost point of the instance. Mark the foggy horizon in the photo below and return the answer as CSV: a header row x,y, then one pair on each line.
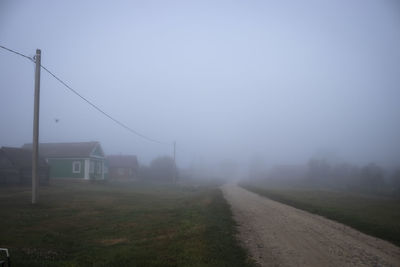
x,y
228,81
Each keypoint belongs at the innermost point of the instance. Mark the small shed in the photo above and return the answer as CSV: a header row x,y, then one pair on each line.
x,y
16,167
122,166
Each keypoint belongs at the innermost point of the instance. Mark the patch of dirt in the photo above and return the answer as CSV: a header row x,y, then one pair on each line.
x,y
41,253
113,241
169,234
206,201
128,224
279,235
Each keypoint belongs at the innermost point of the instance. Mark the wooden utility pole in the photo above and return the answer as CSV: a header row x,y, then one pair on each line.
x,y
35,141
175,178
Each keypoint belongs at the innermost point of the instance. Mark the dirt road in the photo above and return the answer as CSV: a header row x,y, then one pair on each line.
x,y
279,235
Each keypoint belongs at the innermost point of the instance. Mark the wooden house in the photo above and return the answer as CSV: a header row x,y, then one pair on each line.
x,y
82,160
123,166
16,166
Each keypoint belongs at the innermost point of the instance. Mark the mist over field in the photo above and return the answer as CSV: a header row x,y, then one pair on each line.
x,y
200,133
233,83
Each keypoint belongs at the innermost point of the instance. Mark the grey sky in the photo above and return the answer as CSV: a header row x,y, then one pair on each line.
x,y
225,79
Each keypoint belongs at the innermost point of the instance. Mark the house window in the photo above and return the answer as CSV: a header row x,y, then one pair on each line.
x,y
76,167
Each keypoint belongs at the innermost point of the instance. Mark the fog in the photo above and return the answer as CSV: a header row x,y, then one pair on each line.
x,y
229,81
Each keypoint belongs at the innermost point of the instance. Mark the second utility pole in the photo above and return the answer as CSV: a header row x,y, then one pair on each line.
x,y
35,141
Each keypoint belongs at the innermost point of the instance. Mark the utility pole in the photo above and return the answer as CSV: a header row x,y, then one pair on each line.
x,y
175,178
35,141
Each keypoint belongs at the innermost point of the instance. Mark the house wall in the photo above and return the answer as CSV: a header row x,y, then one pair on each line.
x,y
25,175
92,168
105,170
96,169
12,175
122,173
22,176
87,166
8,173
9,176
62,168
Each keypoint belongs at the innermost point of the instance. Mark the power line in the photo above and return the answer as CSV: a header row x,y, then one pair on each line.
x,y
100,110
17,53
87,101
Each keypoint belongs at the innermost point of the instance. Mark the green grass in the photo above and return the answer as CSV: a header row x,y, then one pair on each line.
x,y
376,216
134,224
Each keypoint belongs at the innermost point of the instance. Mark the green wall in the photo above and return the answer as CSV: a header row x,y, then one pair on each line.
x,y
96,174
62,168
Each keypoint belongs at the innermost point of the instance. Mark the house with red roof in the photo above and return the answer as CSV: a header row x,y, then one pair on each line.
x,y
122,166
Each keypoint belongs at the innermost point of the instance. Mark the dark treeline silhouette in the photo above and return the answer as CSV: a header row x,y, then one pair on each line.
x,y
161,169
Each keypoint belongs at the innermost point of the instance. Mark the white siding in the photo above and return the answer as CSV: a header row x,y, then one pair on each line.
x,y
87,164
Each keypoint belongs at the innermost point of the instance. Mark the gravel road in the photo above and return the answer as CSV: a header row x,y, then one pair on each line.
x,y
279,235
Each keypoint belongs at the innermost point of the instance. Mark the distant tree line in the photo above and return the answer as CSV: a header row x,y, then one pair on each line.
x,y
161,169
367,179
320,173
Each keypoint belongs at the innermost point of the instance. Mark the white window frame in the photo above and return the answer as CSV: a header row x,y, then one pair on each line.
x,y
78,164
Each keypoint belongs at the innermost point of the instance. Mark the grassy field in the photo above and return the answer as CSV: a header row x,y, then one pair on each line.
x,y
133,224
376,216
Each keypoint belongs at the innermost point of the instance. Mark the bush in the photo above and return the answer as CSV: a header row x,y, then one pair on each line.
x,y
371,178
162,169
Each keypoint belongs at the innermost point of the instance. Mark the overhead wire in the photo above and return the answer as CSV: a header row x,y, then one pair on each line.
x,y
100,110
17,53
88,101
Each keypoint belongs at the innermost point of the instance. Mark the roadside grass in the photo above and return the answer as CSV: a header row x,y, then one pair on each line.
x,y
376,216
130,224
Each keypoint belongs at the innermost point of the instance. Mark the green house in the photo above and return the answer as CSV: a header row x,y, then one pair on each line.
x,y
83,160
